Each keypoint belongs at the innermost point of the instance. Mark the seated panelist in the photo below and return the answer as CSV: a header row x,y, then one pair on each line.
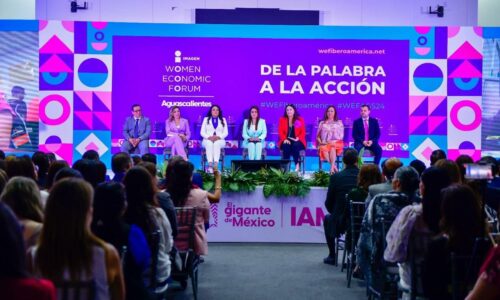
x,y
178,133
254,134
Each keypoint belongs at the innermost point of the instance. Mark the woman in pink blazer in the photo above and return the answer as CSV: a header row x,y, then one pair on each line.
x,y
184,194
178,133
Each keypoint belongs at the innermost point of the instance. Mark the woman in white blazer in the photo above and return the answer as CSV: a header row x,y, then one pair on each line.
x,y
214,131
254,134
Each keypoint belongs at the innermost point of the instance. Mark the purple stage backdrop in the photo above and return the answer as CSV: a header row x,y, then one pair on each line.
x,y
193,73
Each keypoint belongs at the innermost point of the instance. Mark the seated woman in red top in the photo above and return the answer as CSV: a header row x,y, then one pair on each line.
x,y
14,280
292,134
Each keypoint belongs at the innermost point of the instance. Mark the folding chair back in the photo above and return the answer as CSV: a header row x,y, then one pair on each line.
x,y
184,243
357,211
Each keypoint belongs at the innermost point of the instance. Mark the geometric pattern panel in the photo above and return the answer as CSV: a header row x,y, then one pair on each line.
x,y
92,110
428,43
465,61
93,72
92,38
428,115
464,125
56,55
427,77
56,122
99,141
423,145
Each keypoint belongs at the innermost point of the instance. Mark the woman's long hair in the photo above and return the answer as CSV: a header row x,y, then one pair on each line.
x,y
250,117
179,181
66,241
368,175
461,217
434,181
23,197
53,169
296,114
209,114
171,113
325,116
109,203
140,192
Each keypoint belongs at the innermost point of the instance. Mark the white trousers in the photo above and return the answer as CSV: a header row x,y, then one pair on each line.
x,y
213,149
254,151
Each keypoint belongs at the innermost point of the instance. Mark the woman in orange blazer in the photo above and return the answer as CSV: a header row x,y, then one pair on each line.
x,y
292,134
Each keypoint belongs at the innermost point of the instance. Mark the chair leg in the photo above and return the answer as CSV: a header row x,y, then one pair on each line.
x,y
194,283
343,260
350,269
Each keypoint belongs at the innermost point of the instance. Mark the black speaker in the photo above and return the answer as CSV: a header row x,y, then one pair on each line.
x,y
256,165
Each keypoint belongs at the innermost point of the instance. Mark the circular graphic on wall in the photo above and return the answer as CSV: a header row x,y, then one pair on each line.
x,y
428,77
54,109
53,143
93,72
469,119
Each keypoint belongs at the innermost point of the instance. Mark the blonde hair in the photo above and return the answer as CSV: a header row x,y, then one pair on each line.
x,y
22,195
171,113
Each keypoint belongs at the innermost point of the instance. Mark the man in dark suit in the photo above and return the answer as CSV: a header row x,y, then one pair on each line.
x,y
366,132
341,183
136,131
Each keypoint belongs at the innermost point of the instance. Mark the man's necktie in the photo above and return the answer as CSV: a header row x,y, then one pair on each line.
x,y
136,128
367,134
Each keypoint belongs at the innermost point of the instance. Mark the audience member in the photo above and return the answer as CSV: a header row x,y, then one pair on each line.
x,y
15,283
2,164
93,171
416,224
451,168
67,173
389,167
418,165
144,212
369,174
53,169
461,223
2,155
41,162
68,251
120,163
22,195
108,224
437,155
91,155
335,222
3,180
51,156
149,157
136,159
163,198
183,194
20,166
197,180
387,205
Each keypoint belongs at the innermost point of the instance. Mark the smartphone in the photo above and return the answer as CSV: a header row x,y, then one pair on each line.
x,y
478,171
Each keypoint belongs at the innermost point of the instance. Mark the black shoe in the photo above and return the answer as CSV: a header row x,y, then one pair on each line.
x,y
329,260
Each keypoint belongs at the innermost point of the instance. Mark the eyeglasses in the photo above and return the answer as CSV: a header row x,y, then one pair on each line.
x,y
137,110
